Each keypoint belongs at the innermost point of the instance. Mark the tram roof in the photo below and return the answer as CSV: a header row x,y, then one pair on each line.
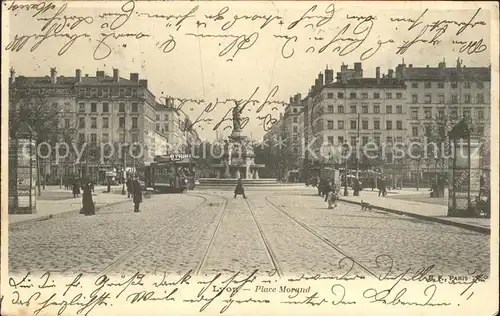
x,y
175,158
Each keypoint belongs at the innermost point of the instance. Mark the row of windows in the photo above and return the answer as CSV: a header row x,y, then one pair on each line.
x,y
165,117
105,107
107,92
453,112
365,109
160,129
365,140
365,125
440,85
105,137
105,122
454,98
427,129
364,95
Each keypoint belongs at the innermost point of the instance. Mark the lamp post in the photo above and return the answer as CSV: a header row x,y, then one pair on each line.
x,y
124,155
346,192
357,149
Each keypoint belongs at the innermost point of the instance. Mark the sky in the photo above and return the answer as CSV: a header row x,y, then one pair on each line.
x,y
194,68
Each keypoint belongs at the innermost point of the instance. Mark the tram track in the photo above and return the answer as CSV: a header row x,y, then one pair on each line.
x,y
319,236
203,260
156,235
269,250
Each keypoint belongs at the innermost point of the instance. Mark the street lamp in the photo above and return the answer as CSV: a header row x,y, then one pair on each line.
x,y
346,192
124,155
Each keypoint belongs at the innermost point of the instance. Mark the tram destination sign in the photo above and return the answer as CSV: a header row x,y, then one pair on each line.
x,y
180,156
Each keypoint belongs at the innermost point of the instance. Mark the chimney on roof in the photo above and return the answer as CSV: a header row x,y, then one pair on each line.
x,y
12,75
143,83
134,77
390,73
377,72
78,75
321,80
338,77
328,76
299,97
116,75
291,100
343,67
53,75
401,71
99,75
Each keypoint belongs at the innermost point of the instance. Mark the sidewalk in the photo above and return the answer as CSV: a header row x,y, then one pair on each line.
x,y
424,211
47,209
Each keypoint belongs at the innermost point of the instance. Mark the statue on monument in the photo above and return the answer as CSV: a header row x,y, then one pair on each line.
x,y
236,118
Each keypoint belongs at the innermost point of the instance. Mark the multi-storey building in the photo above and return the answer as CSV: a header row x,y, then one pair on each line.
x,y
118,111
284,139
102,109
399,107
291,118
175,126
445,94
356,110
58,93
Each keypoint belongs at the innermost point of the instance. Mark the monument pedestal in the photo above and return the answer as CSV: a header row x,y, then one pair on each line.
x,y
464,179
238,160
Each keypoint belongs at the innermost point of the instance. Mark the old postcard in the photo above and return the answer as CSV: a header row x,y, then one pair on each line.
x,y
249,158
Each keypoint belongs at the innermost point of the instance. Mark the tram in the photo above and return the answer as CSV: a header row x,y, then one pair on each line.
x,y
171,174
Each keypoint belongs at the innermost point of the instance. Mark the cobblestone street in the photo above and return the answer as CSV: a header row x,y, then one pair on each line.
x,y
290,231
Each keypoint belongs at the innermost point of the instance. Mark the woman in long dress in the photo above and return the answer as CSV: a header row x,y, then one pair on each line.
x,y
88,203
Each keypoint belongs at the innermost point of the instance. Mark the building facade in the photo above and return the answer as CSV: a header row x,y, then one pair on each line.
x,y
444,95
175,125
356,111
116,118
390,110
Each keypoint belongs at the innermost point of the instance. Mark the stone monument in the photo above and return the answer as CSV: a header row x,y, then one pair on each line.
x,y
238,159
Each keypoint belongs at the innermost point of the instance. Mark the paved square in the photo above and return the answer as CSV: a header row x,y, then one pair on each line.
x,y
290,232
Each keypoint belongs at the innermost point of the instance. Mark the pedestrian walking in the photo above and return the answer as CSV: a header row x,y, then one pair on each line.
x,y
380,186
327,188
356,186
88,207
76,188
130,187
239,189
137,195
332,197
373,183
320,186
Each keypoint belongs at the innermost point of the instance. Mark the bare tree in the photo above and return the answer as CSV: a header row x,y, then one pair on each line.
x,y
33,108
